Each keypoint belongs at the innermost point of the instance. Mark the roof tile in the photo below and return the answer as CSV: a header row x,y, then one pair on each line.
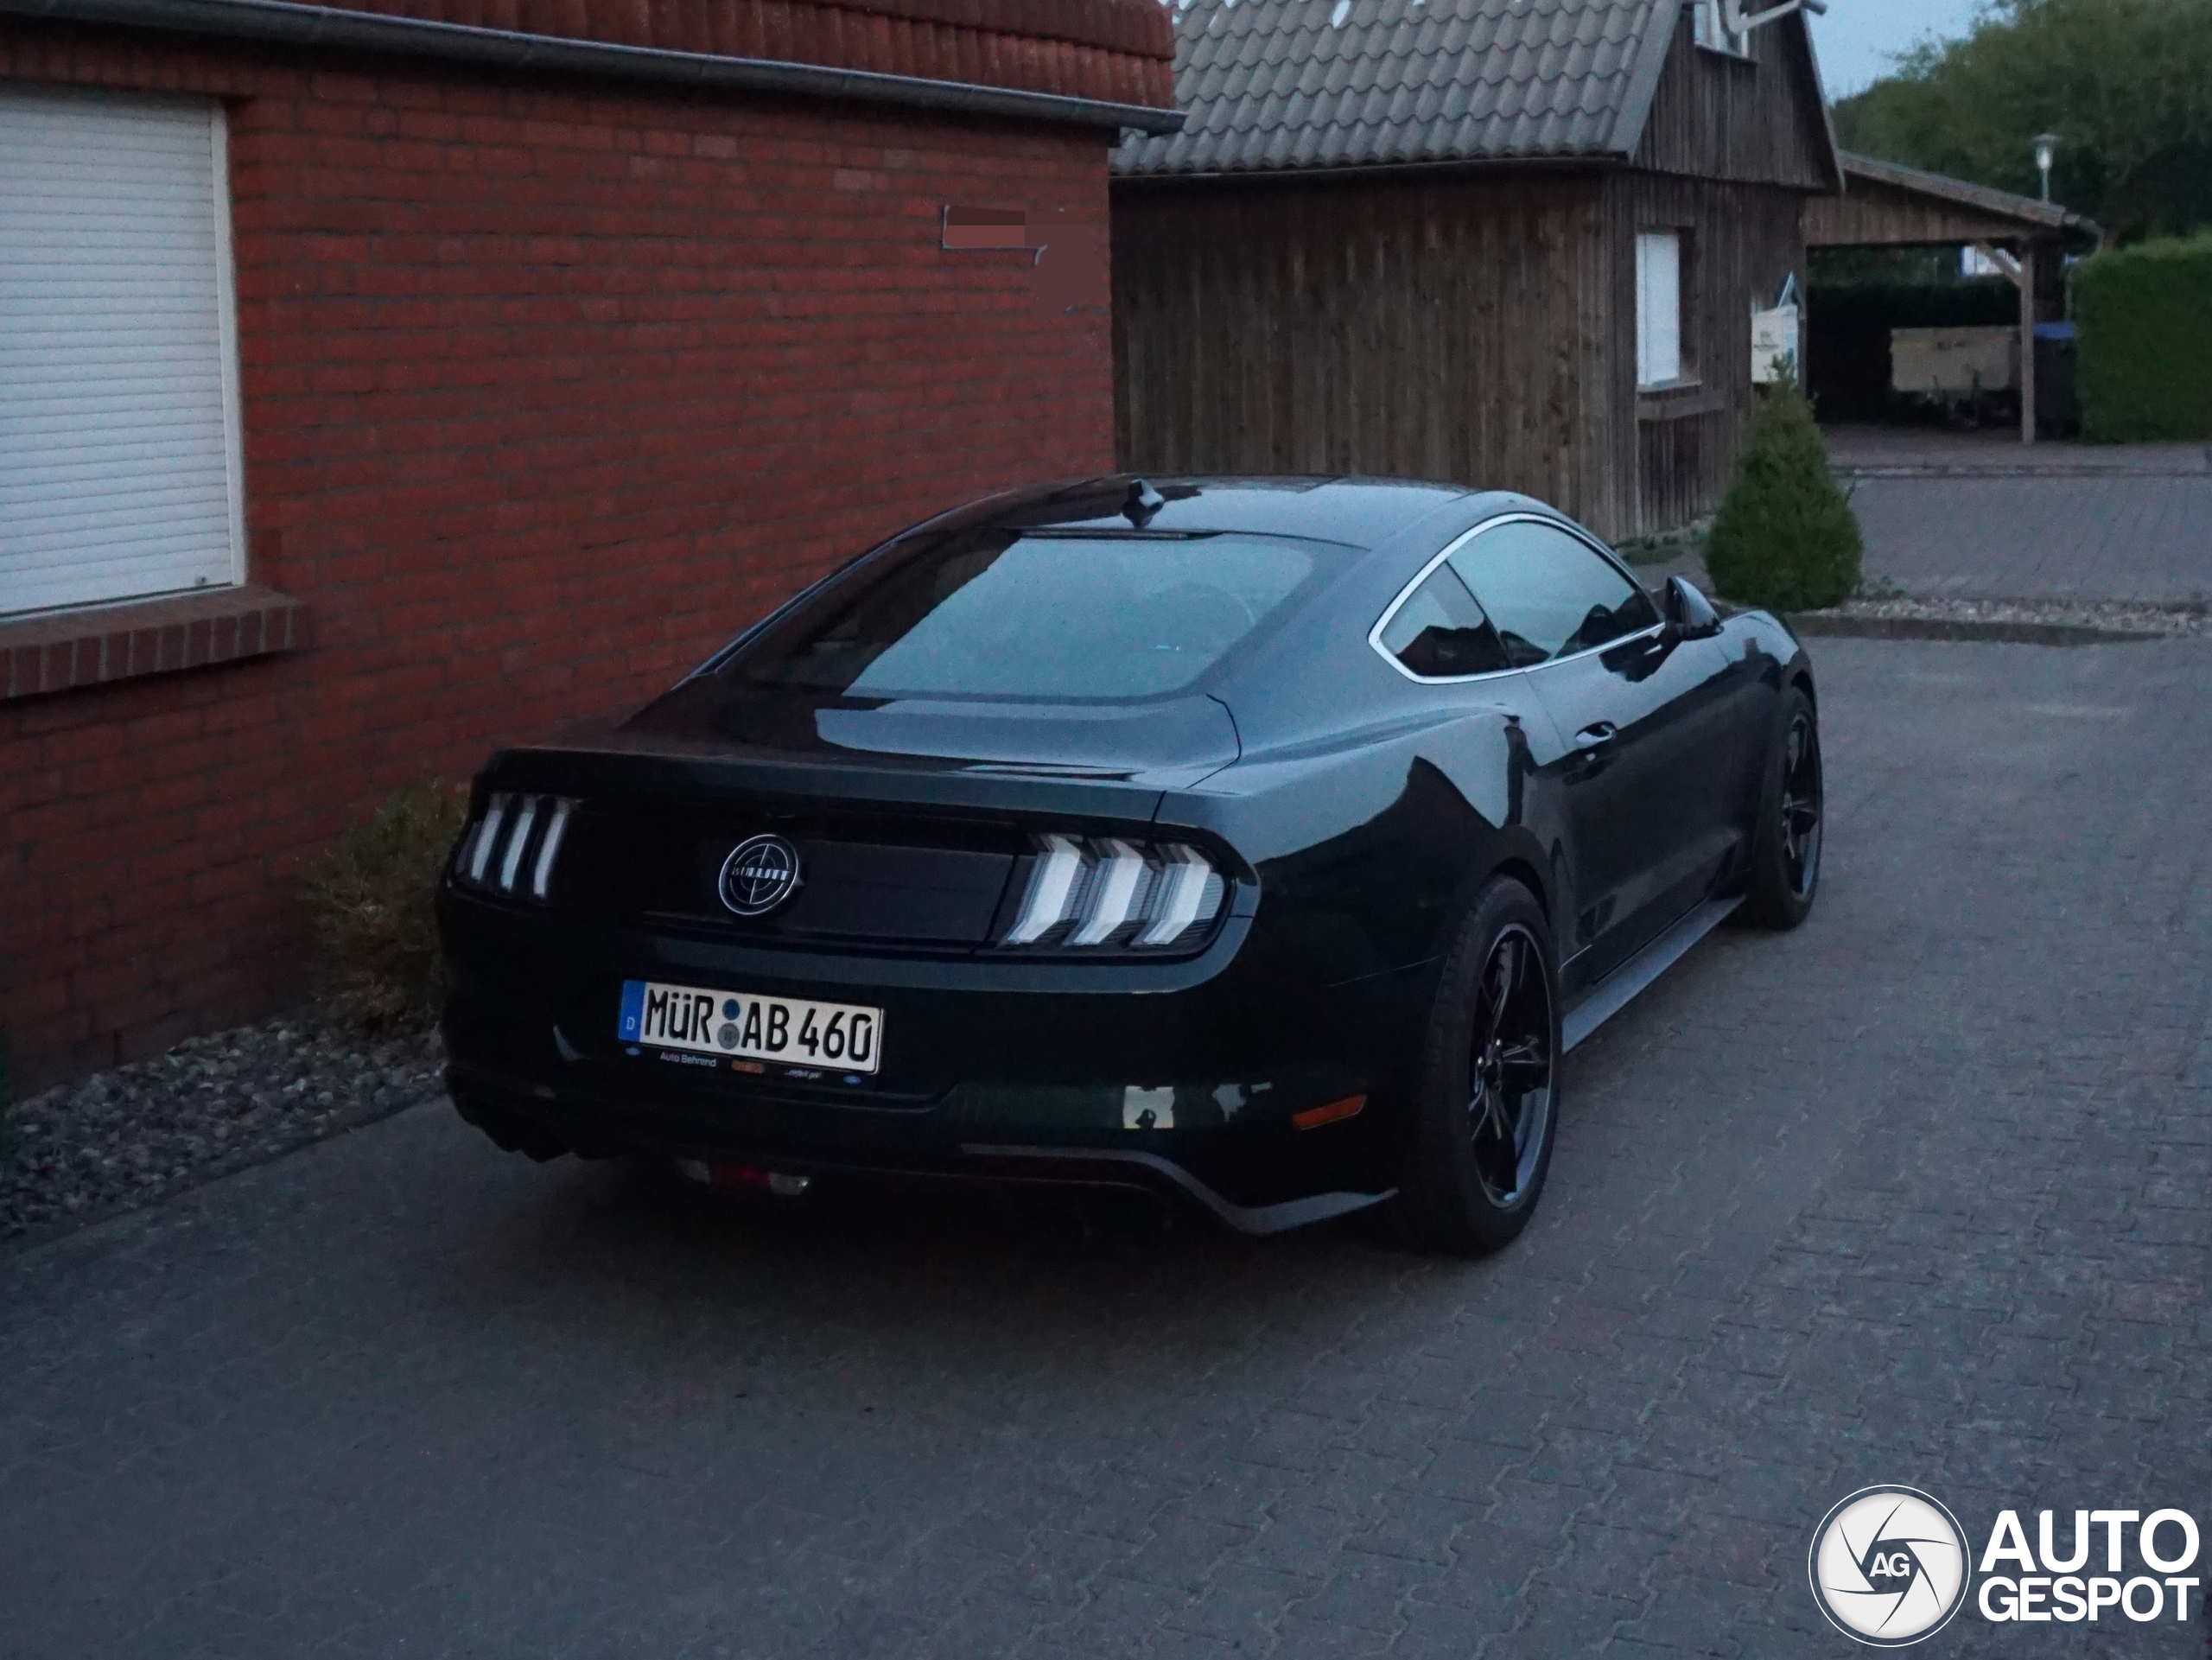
x,y
1273,84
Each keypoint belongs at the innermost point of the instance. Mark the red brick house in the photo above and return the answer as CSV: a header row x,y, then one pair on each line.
x,y
379,383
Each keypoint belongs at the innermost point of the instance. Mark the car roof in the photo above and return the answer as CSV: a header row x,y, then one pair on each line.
x,y
1357,513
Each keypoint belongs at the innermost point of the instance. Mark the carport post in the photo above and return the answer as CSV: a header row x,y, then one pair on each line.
x,y
2027,342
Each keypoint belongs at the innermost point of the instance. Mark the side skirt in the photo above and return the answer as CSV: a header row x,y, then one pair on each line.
x,y
1611,994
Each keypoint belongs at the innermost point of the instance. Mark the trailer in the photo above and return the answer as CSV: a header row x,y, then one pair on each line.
x,y
1970,374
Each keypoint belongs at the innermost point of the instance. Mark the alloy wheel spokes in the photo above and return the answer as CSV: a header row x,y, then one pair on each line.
x,y
1503,980
1493,1104
1799,818
1526,1056
1800,803
1511,1068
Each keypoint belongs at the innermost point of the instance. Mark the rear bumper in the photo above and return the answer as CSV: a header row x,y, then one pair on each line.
x,y
1182,1077
549,1128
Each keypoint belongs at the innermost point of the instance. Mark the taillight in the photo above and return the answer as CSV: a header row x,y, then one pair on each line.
x,y
1111,893
512,849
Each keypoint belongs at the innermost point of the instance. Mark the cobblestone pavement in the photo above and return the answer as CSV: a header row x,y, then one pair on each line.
x,y
1918,1194
2042,538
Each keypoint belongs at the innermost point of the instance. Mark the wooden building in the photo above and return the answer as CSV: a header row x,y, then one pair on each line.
x,y
1513,243
1892,205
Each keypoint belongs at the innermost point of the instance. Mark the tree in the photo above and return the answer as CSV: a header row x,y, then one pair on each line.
x,y
1784,538
2127,84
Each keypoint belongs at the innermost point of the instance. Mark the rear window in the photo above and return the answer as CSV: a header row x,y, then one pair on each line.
x,y
1441,632
1009,614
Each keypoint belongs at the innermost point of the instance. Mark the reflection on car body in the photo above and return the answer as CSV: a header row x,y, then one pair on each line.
x,y
1261,841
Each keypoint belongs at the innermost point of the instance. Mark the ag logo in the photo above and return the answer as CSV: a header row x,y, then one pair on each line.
x,y
1889,1566
760,874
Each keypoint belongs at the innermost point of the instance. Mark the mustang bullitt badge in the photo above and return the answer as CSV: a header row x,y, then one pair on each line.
x,y
760,874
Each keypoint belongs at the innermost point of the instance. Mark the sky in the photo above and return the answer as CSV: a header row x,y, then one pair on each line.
x,y
1856,38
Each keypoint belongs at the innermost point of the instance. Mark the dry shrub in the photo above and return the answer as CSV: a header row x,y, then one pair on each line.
x,y
369,900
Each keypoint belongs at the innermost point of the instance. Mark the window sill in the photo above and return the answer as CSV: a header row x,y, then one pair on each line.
x,y
1673,400
95,645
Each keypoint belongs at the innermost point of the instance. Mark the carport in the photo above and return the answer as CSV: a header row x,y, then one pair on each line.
x,y
1884,205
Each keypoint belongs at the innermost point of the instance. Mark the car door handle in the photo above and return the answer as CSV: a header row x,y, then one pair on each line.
x,y
1596,735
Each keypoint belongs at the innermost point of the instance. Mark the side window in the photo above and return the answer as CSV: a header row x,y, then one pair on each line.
x,y
1658,307
1439,631
1548,593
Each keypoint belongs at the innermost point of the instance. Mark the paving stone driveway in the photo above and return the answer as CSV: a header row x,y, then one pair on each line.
x,y
1918,1194
2040,538
1983,516
2062,539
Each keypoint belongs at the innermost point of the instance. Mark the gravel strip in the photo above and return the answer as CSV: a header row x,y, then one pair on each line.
x,y
2182,467
210,1105
2115,617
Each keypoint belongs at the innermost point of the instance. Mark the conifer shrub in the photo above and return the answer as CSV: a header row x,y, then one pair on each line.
x,y
1784,538
369,898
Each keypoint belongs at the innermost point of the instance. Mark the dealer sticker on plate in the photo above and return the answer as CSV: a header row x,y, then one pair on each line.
x,y
835,1037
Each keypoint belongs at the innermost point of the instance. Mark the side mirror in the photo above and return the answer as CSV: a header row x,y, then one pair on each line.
x,y
1688,612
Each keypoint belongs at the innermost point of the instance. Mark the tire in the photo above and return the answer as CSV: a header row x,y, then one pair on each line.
x,y
1460,1192
1785,870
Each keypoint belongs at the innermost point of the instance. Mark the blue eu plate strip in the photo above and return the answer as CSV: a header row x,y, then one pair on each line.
x,y
634,1009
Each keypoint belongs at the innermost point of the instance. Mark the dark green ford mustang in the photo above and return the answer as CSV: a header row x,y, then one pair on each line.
x,y
1263,842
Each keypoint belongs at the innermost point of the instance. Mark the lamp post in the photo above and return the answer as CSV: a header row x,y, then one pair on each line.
x,y
2046,145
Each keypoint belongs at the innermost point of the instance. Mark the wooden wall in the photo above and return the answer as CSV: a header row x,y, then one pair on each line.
x,y
1478,327
1464,326
1876,214
1753,120
1740,242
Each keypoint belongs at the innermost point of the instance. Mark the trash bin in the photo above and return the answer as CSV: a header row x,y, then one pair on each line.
x,y
2057,414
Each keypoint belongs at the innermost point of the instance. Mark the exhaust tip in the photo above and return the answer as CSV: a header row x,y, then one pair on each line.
x,y
742,1179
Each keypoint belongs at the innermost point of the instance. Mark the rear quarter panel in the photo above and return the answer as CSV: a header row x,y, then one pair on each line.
x,y
1368,844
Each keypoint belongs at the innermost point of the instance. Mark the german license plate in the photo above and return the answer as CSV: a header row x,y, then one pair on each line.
x,y
833,1037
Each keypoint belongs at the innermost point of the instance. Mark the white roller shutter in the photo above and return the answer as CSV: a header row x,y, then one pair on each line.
x,y
120,470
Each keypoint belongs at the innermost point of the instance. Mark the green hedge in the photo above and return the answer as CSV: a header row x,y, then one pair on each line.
x,y
2142,348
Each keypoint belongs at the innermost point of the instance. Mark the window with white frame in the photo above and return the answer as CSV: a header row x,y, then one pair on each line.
x,y
1658,307
1711,17
119,465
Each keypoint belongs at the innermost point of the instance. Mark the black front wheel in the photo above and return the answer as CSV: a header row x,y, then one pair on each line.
x,y
1486,1105
1785,870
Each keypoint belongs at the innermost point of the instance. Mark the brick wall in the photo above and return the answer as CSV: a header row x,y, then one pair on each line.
x,y
548,388
1119,50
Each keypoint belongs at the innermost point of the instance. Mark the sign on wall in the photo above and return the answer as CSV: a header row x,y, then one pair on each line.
x,y
1774,338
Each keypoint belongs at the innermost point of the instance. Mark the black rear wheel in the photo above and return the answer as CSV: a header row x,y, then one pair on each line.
x,y
1486,1105
1785,870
